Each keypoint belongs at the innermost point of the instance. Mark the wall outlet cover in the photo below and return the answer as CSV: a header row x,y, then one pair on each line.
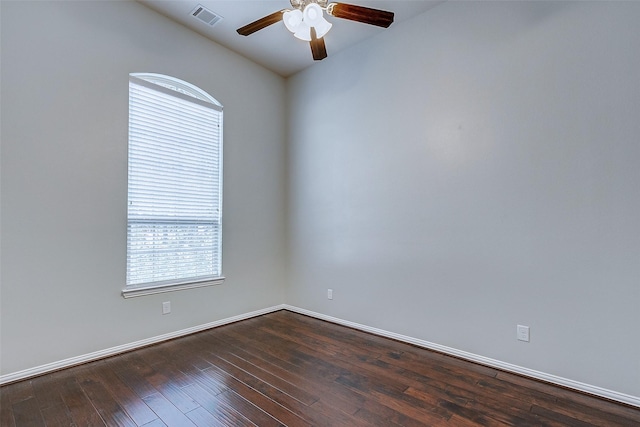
x,y
166,307
523,333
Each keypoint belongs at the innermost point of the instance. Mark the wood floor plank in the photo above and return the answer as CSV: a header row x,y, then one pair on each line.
x,y
19,391
202,418
320,383
454,381
389,392
133,373
227,411
276,394
27,413
581,413
173,392
6,410
249,410
106,406
505,410
477,417
373,419
275,409
212,384
381,345
155,423
56,415
333,417
406,405
392,416
320,387
314,415
592,409
286,369
45,389
165,410
269,378
559,417
134,406
78,404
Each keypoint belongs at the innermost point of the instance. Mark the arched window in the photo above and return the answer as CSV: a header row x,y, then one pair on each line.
x,y
174,212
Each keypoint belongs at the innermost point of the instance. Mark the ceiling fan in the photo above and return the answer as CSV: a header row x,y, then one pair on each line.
x,y
306,21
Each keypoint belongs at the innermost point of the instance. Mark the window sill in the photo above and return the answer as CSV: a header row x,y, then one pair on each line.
x,y
159,289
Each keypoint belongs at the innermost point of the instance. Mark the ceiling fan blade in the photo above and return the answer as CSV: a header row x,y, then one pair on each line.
x,y
318,49
261,23
366,15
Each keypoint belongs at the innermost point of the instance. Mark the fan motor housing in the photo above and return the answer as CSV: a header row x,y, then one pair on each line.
x,y
301,4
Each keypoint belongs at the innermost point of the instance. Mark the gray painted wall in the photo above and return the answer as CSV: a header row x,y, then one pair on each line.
x,y
65,68
468,170
473,169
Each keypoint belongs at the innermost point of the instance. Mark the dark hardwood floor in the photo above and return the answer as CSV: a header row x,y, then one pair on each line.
x,y
287,369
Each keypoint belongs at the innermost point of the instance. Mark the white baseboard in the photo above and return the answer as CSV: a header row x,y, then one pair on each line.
x,y
90,357
553,379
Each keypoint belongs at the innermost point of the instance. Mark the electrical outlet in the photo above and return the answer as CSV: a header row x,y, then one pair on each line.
x,y
523,333
330,293
166,307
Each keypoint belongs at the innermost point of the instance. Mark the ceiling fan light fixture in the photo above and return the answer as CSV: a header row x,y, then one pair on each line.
x,y
313,14
303,32
292,20
322,28
313,17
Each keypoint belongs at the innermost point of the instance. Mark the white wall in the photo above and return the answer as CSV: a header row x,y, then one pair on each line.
x,y
472,169
65,68
468,170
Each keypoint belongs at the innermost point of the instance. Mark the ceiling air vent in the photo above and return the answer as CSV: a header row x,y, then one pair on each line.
x,y
206,16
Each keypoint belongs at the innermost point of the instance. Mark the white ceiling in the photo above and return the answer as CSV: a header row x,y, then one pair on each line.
x,y
274,47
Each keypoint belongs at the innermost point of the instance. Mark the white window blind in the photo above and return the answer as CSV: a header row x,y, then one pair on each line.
x,y
174,228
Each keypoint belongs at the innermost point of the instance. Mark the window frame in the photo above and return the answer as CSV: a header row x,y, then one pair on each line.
x,y
187,92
